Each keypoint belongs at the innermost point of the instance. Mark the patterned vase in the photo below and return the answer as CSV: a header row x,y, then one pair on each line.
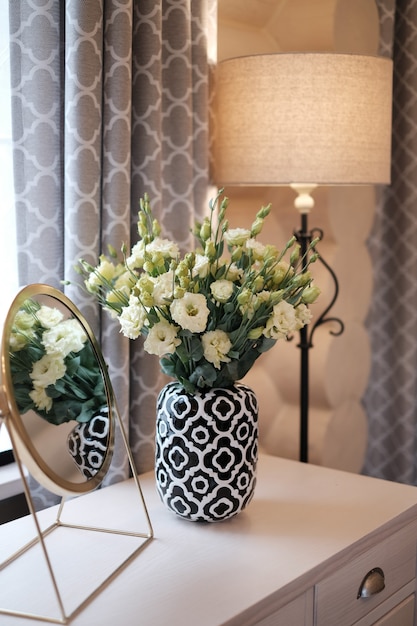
x,y
206,451
88,443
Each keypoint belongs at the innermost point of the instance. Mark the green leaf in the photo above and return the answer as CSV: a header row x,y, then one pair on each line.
x,y
229,307
264,344
182,353
72,364
195,349
204,375
167,366
189,387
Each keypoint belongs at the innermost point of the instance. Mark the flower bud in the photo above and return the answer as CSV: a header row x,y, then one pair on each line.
x,y
189,260
147,299
179,292
210,250
223,207
244,297
112,251
255,333
258,283
301,279
295,255
281,271
264,211
270,252
157,259
117,298
182,269
276,296
237,254
256,227
148,267
145,284
185,283
156,229
205,230
310,294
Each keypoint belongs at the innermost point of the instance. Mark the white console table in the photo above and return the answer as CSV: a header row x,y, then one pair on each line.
x,y
295,557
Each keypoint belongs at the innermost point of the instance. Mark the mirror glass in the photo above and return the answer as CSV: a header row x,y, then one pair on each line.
x,y
60,413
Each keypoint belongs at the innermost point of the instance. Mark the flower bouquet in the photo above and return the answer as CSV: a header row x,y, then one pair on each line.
x,y
53,367
208,314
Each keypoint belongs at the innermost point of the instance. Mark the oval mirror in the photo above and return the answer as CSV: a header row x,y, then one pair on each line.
x,y
58,393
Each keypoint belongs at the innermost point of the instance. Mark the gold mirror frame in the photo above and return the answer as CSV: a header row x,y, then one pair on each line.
x,y
27,456
29,453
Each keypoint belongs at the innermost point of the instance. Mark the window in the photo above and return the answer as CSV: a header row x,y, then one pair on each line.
x,y
5,447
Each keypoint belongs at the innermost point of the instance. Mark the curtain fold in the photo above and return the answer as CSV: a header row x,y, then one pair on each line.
x,y
391,397
110,100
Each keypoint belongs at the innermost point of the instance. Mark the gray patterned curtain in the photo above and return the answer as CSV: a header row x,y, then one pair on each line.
x,y
391,398
110,99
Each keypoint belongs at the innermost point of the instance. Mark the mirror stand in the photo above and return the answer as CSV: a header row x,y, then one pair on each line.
x,y
58,541
54,562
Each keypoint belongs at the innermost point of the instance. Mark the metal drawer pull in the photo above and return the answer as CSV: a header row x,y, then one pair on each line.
x,y
373,583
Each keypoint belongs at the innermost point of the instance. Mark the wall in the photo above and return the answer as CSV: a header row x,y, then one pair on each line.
x,y
339,366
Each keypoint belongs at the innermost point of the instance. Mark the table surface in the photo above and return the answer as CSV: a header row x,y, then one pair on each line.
x,y
303,521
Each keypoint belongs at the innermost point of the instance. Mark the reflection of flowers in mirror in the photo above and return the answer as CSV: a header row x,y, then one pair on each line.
x,y
211,313
53,367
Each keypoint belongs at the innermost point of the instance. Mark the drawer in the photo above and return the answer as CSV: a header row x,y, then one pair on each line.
x,y
336,600
403,614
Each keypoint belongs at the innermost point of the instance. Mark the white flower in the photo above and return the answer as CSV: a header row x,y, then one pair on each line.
x,y
233,272
282,321
303,316
22,331
236,236
162,290
18,340
23,320
201,265
216,345
222,290
191,312
162,339
40,398
104,272
49,317
125,281
263,297
137,255
121,292
164,246
47,370
256,247
66,337
132,318
250,303
281,270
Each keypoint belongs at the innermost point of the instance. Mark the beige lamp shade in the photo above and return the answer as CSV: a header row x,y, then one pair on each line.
x,y
321,118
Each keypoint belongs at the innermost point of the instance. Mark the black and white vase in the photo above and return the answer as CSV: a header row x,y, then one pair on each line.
x,y
88,443
206,450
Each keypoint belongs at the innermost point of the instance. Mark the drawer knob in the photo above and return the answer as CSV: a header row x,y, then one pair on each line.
x,y
373,583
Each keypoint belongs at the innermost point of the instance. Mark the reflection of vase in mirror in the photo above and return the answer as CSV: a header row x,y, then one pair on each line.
x,y
57,380
87,443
